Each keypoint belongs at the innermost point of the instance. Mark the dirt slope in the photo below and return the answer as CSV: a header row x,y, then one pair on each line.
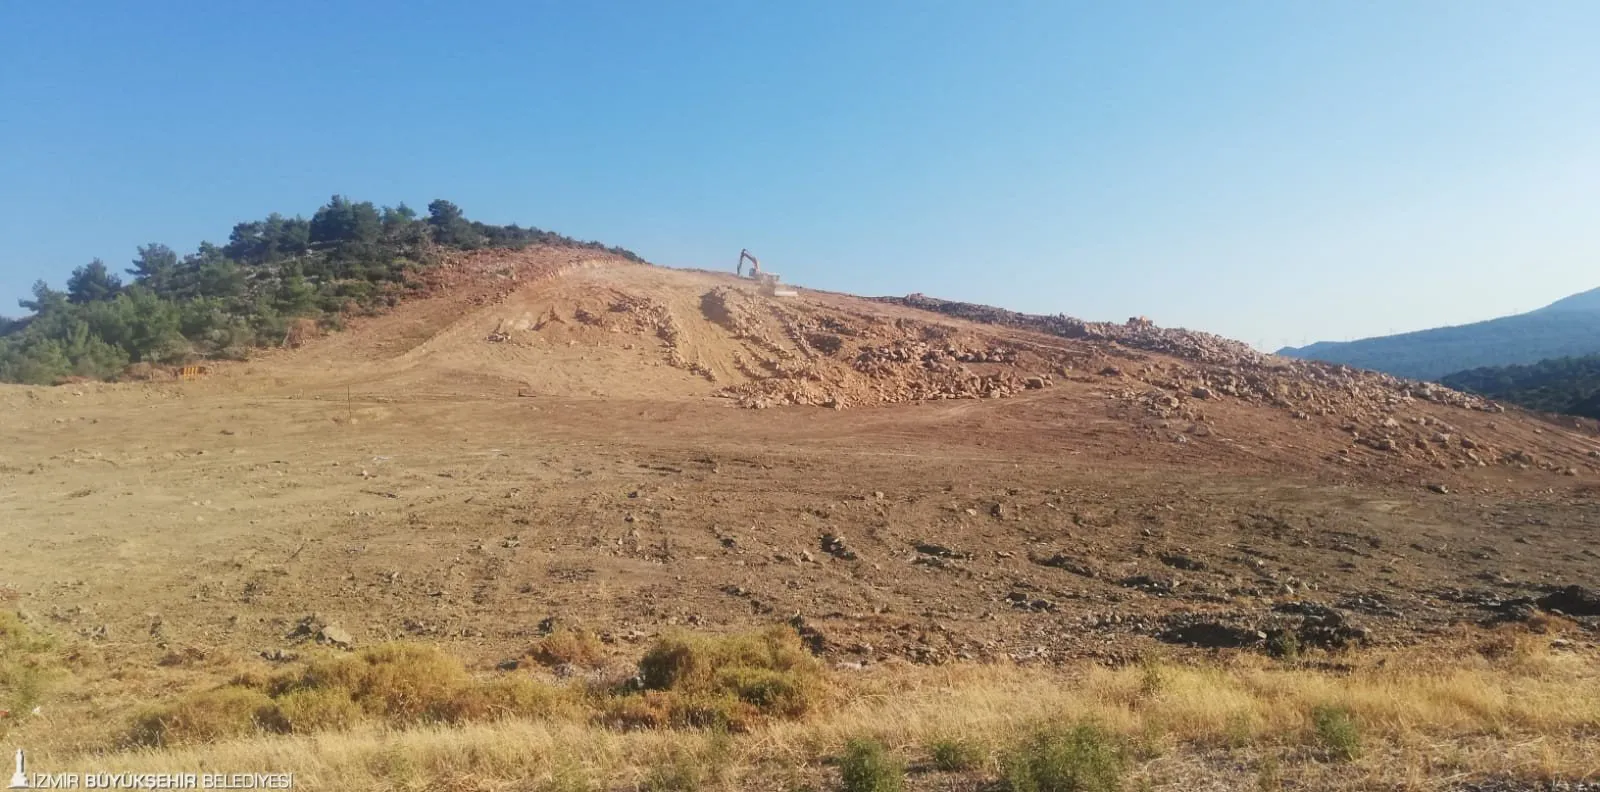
x,y
556,323
557,435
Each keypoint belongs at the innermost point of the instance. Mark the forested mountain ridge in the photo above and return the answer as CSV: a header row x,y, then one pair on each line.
x,y
221,301
1569,385
1569,327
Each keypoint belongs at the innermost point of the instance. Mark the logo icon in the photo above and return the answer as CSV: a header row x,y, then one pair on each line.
x,y
19,779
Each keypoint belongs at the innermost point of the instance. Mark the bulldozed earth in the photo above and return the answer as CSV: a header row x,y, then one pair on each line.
x,y
554,441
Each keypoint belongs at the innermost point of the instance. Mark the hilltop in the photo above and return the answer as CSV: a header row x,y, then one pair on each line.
x,y
1566,328
275,281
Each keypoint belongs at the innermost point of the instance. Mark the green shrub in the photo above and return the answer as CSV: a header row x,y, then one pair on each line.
x,y
1080,759
727,682
867,766
1152,677
1283,645
952,756
1337,731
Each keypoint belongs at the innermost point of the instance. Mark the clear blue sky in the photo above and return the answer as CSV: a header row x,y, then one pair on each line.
x,y
1277,170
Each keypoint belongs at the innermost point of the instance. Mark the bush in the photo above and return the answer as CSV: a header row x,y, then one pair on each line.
x,y
218,714
1283,645
1080,759
320,709
730,681
399,684
569,647
952,756
867,766
1338,731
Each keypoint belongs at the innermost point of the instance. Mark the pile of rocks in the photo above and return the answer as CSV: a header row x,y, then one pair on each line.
x,y
1290,626
900,361
1224,368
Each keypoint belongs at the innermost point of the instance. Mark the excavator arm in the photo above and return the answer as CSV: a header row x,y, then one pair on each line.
x,y
755,266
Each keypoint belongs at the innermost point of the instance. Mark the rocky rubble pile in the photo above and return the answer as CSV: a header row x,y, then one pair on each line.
x,y
850,361
878,385
1290,627
487,277
1226,367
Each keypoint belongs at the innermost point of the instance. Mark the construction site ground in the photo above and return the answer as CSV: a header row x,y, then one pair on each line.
x,y
551,436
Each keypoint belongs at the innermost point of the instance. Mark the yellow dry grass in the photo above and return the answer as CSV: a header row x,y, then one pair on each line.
x,y
1523,710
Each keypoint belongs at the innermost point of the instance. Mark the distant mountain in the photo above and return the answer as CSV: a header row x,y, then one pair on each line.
x,y
1582,301
1569,327
1562,385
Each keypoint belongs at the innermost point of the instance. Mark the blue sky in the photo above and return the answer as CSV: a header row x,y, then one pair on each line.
x,y
1277,171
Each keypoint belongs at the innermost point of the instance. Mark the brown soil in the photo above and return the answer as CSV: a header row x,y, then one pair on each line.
x,y
553,434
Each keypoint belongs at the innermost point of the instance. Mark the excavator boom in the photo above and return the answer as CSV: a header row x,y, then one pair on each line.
x,y
755,266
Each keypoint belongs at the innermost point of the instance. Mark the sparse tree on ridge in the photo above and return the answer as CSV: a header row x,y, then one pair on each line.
x,y
450,227
45,299
155,268
92,282
221,301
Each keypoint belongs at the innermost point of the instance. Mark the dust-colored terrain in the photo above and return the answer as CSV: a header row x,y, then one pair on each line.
x,y
555,436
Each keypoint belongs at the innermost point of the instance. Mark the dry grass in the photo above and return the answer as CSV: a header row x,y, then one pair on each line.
x,y
577,648
27,666
396,684
1419,716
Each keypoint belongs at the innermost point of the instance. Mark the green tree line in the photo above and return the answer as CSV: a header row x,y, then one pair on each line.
x,y
220,301
1569,385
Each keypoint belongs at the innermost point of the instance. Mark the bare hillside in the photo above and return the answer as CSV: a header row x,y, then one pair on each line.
x,y
558,438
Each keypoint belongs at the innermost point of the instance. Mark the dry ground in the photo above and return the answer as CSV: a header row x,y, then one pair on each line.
x,y
413,479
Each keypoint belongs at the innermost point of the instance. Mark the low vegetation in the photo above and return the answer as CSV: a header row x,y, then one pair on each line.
x,y
399,685
1081,758
1338,731
728,683
405,716
565,647
273,278
955,755
868,766
27,665
1569,385
732,682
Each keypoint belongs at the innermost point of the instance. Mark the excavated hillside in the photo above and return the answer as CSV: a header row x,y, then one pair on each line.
x,y
559,323
555,436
